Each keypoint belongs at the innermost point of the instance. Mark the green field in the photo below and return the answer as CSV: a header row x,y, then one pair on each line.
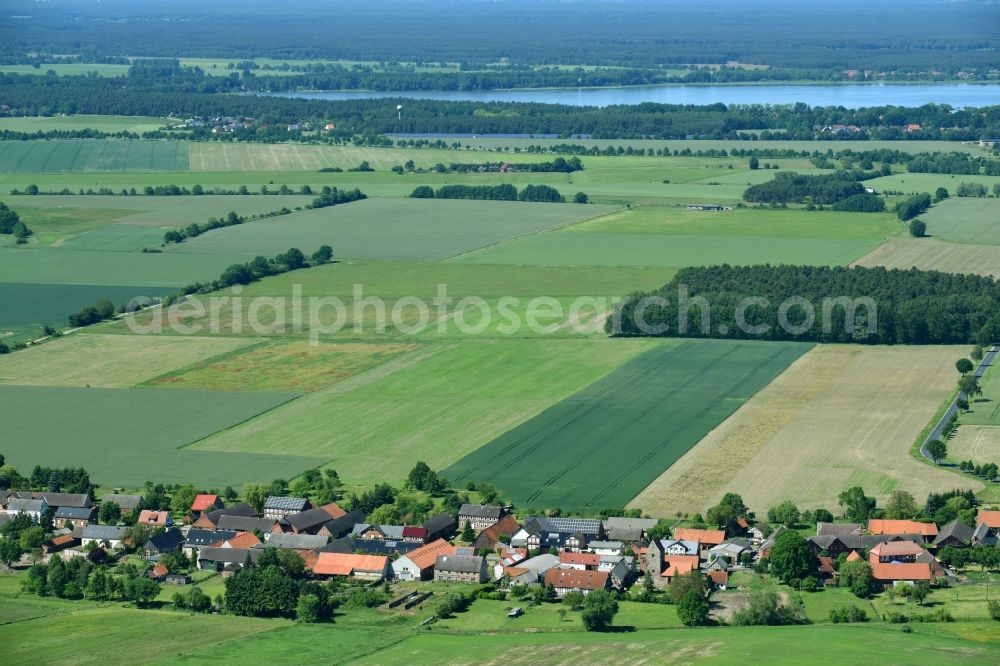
x,y
671,236
28,307
967,220
92,155
985,407
604,444
136,124
393,229
126,436
435,404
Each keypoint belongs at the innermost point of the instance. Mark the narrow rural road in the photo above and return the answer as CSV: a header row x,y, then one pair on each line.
x,y
953,407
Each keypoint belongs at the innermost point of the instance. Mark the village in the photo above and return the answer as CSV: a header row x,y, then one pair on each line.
x,y
484,545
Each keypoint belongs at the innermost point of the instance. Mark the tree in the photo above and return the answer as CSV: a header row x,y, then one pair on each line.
x,y
682,584
940,194
183,498
901,506
109,513
857,576
256,496
573,599
729,509
920,591
918,228
977,353
823,516
693,609
10,551
791,559
969,385
858,506
964,366
599,610
468,535
937,450
236,274
140,591
323,255
581,198
785,513
754,163
309,609
765,608
32,538
422,192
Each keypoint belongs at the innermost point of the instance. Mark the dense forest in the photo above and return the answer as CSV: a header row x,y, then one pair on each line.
x,y
47,95
911,307
893,35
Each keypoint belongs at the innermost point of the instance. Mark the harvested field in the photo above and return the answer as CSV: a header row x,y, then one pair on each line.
x,y
842,415
109,361
965,220
930,254
980,444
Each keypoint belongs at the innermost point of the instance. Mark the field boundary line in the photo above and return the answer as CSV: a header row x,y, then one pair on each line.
x,y
558,227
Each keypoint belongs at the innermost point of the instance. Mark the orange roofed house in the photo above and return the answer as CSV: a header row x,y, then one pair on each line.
x,y
570,580
895,562
705,538
203,504
987,528
419,564
897,527
366,567
154,518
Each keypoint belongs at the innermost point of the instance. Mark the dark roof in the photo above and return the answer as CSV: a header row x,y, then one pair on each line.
x,y
459,563
80,513
283,503
59,499
197,538
341,545
837,529
105,532
442,521
165,540
379,547
242,509
582,526
481,511
957,530
245,523
294,541
308,519
345,524
230,555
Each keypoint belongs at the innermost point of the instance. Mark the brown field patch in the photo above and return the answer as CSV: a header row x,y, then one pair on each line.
x,y
933,255
841,415
978,443
282,366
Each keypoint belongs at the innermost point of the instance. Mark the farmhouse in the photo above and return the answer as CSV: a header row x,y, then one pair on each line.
x,y
154,518
441,526
106,536
59,500
494,534
705,538
242,540
291,541
576,580
279,506
570,533
460,568
607,547
218,559
203,504
198,539
628,530
338,527
33,508
366,567
900,527
311,521
956,534
581,561
248,524
169,541
987,528
480,516
419,564
211,519
59,543
76,516
127,503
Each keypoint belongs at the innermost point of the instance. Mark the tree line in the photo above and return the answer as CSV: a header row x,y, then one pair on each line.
x,y
825,189
505,192
903,306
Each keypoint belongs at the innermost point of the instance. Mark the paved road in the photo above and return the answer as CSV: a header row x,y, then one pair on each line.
x,y
953,407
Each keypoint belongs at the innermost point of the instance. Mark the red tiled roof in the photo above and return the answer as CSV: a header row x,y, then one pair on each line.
x,y
713,537
901,527
344,564
680,565
585,559
719,577
902,571
415,531
506,525
425,556
826,565
989,518
157,518
159,571
243,540
853,556
334,510
576,579
202,502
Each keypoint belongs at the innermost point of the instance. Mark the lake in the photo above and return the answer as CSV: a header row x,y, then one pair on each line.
x,y
851,96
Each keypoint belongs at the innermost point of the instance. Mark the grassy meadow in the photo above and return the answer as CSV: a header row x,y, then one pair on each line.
x,y
968,220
